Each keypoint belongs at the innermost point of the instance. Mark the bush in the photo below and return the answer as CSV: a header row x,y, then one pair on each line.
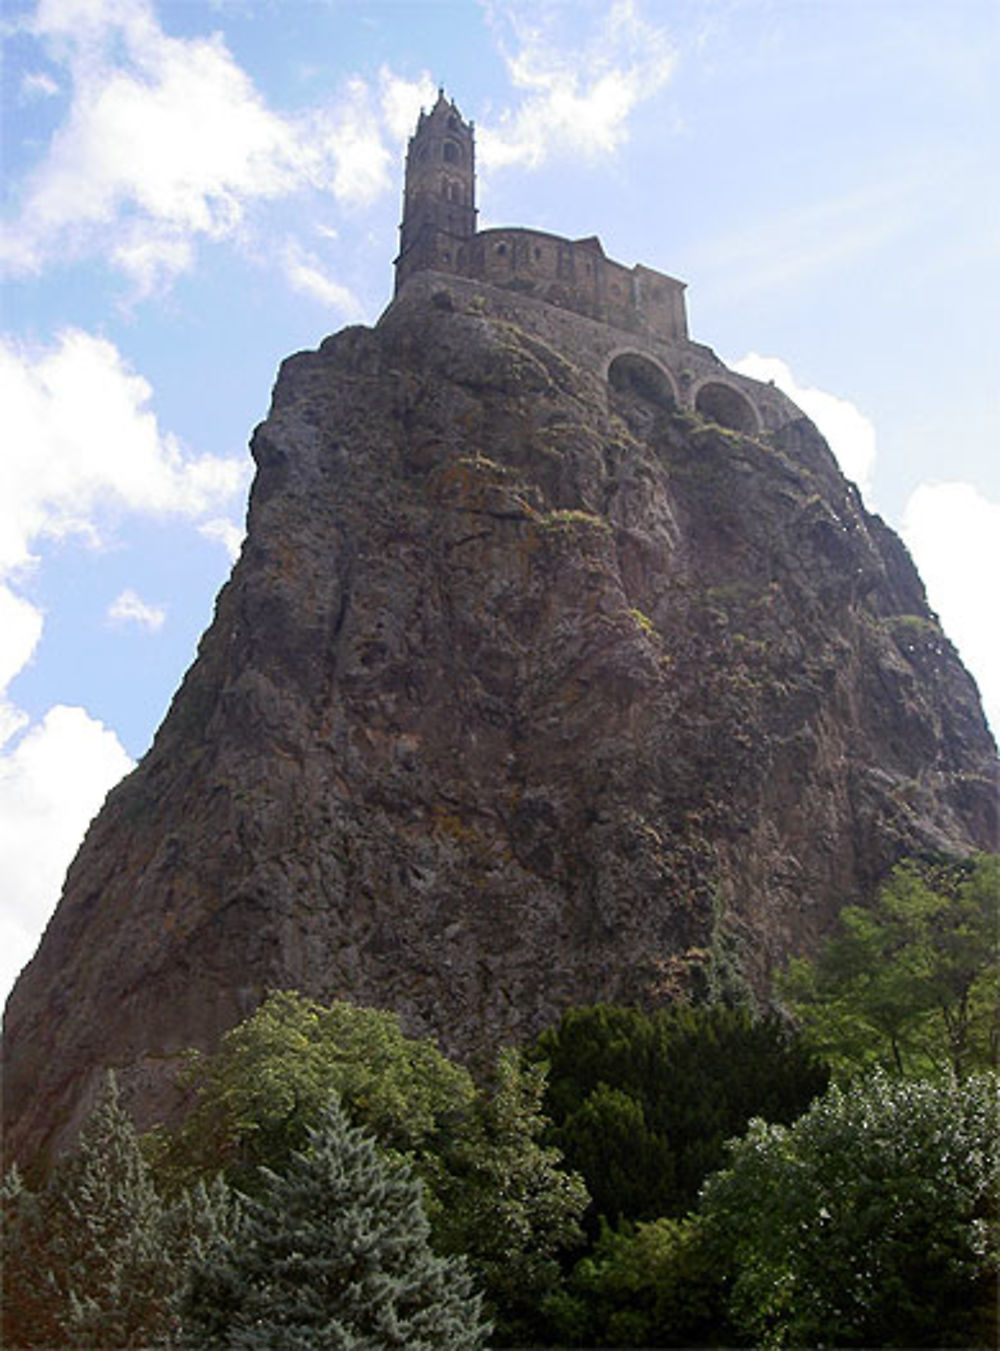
x,y
652,1284
869,1222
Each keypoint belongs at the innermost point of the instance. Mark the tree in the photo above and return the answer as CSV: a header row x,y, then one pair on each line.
x,y
111,1249
507,1200
871,1221
630,1170
256,1097
88,1250
334,1254
95,1258
650,1284
910,983
33,1302
687,1078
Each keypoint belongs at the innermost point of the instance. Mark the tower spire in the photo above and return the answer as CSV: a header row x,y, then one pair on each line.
x,y
439,193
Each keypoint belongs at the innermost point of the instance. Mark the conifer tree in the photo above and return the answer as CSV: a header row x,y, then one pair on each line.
x,y
84,1264
106,1248
32,1301
334,1254
94,1259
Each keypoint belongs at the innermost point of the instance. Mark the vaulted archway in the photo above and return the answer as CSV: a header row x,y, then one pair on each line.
x,y
725,405
631,373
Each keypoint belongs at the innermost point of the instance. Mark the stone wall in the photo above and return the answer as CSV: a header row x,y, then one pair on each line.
x,y
577,275
689,372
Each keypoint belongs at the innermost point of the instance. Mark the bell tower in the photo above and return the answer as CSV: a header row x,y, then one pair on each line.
x,y
439,193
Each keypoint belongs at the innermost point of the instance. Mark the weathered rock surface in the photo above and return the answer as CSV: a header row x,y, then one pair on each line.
x,y
524,692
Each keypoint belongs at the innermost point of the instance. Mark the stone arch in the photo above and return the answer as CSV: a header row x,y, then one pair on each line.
x,y
725,405
633,373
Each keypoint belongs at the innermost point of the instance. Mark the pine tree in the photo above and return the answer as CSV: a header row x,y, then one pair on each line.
x,y
334,1254
32,1300
85,1260
108,1248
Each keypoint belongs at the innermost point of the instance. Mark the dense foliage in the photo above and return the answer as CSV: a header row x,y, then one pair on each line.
x,y
651,1284
507,1201
642,1103
333,1253
912,982
871,1221
374,1175
256,1097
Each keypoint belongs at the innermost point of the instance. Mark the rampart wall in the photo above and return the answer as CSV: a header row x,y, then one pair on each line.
x,y
687,372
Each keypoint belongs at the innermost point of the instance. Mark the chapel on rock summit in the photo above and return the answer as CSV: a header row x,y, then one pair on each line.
x,y
438,234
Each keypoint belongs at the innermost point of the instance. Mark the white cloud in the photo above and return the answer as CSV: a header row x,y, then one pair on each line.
x,y
151,259
402,100
349,137
161,131
578,96
130,608
850,434
81,443
228,533
167,141
953,532
20,630
307,277
51,785
36,84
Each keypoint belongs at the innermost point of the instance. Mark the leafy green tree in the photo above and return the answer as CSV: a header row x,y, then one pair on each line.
x,y
912,982
272,1075
651,1284
334,1254
508,1201
687,1078
871,1221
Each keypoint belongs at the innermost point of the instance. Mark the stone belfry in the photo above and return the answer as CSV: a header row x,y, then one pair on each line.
x,y
439,193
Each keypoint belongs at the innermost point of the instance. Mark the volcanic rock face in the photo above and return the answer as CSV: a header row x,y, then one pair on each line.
x,y
526,691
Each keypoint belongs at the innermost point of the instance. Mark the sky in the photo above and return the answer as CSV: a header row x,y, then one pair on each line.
x,y
195,189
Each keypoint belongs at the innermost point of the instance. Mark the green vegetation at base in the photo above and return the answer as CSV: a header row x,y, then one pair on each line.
x,y
649,1284
333,1253
642,1103
678,1177
98,1257
257,1096
506,1200
869,1222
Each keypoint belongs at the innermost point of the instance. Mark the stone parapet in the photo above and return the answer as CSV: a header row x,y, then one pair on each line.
x,y
696,378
